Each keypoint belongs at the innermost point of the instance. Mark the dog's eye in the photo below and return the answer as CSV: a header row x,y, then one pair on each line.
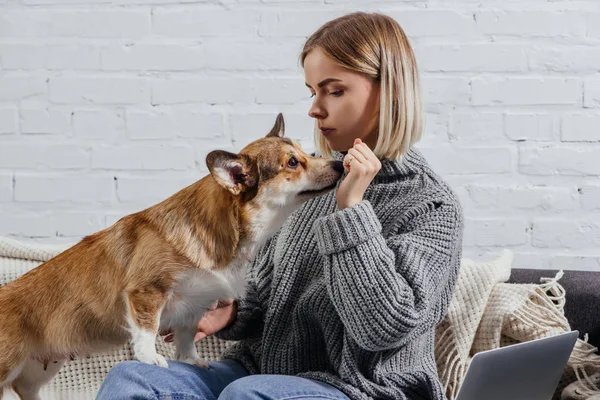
x,y
293,162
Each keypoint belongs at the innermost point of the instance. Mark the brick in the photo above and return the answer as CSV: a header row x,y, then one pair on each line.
x,y
246,128
112,2
150,190
543,260
487,57
525,91
33,155
591,93
212,90
555,160
426,23
44,225
6,187
575,263
99,90
435,130
473,160
79,188
572,58
50,120
581,127
198,124
531,126
593,24
590,197
525,197
140,157
538,23
195,23
162,122
302,23
16,88
495,232
94,23
297,23
445,90
32,56
476,127
150,125
567,233
153,57
278,91
98,123
236,56
8,121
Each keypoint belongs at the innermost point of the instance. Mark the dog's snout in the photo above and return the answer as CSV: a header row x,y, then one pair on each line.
x,y
338,166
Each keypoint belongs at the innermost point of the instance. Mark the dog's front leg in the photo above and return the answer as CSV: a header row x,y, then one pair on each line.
x,y
144,307
185,348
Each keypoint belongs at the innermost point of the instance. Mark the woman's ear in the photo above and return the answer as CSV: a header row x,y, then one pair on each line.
x,y
235,172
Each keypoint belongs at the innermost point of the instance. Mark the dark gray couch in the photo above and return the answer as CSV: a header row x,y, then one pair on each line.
x,y
582,307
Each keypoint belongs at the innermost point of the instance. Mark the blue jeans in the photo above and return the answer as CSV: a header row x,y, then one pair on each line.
x,y
224,380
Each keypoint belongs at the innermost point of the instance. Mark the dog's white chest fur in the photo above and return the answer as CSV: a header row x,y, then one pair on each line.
x,y
198,289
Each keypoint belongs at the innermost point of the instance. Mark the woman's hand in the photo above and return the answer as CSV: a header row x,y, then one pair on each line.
x,y
220,315
362,166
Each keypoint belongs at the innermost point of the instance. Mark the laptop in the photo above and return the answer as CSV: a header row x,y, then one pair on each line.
x,y
524,371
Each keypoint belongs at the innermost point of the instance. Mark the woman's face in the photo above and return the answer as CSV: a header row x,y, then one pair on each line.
x,y
345,103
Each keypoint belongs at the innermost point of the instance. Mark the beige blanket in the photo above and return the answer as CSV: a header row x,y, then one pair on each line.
x,y
485,313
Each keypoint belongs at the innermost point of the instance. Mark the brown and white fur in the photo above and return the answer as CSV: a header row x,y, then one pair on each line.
x,y
160,268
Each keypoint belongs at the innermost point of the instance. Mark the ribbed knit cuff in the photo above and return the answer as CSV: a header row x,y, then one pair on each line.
x,y
346,228
247,314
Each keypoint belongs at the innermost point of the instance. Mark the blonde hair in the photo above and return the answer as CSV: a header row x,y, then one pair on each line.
x,y
375,45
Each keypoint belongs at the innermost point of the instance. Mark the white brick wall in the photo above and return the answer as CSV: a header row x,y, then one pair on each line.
x,y
108,106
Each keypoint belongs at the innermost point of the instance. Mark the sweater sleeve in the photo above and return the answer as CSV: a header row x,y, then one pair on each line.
x,y
389,291
250,312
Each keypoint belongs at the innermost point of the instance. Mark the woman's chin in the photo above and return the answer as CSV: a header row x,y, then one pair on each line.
x,y
337,147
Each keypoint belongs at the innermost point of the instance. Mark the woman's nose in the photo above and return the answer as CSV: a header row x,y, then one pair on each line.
x,y
316,110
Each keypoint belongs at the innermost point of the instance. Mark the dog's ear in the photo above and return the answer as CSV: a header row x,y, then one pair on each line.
x,y
235,172
278,129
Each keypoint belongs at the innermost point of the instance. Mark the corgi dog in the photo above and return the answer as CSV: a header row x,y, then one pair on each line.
x,y
157,269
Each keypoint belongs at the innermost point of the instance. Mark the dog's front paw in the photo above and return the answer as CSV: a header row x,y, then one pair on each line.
x,y
154,359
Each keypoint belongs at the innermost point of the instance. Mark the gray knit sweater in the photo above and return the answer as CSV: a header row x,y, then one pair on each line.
x,y
351,297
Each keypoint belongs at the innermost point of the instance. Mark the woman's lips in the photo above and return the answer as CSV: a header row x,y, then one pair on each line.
x,y
326,131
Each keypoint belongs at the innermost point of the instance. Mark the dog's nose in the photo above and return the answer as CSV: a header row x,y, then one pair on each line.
x,y
338,166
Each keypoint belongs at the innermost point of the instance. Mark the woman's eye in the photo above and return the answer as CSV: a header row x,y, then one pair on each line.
x,y
337,93
312,95
293,162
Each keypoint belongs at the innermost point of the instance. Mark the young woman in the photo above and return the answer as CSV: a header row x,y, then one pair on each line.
x,y
343,301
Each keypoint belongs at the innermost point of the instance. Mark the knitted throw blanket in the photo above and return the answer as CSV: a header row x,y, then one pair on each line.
x,y
487,313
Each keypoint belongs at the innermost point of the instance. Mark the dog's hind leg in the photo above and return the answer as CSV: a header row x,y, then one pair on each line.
x,y
33,376
11,365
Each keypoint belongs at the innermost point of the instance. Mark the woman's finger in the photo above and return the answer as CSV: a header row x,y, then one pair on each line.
x,y
357,155
199,336
367,152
